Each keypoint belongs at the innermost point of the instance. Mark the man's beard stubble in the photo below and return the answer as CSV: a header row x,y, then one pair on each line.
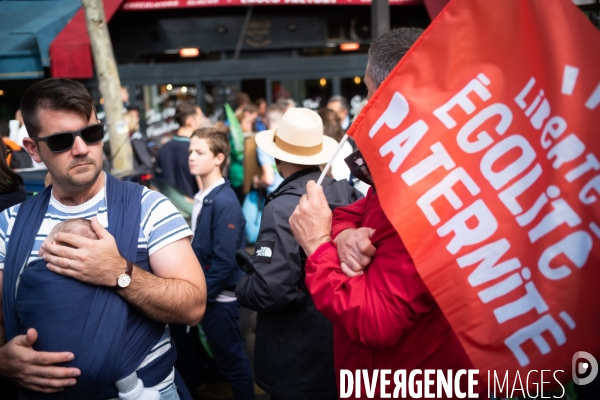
x,y
70,183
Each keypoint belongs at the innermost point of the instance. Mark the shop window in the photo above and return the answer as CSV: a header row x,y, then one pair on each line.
x,y
310,93
160,103
217,93
355,91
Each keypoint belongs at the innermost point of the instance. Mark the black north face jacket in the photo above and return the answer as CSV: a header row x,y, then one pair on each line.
x,y
293,355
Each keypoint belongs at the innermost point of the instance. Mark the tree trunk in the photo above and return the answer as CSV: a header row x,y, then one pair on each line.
x,y
110,86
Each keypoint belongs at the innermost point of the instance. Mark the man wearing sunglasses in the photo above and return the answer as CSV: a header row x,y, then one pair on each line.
x,y
158,275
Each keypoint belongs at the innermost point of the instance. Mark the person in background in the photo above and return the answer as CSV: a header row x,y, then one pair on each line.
x,y
12,188
12,192
219,233
261,120
16,156
125,96
203,120
247,116
222,127
285,104
270,179
142,159
274,114
171,161
263,183
21,133
333,129
294,343
241,100
339,105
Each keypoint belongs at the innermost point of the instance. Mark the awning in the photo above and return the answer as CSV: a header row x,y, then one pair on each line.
x,y
70,51
26,31
139,5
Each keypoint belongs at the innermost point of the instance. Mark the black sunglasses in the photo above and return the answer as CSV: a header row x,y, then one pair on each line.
x,y
60,142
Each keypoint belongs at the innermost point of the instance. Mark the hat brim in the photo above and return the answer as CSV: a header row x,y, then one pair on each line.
x,y
265,140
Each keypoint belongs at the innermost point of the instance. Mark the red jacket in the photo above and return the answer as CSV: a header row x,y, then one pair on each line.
x,y
385,318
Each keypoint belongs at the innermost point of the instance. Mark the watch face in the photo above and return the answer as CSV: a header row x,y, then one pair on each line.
x,y
124,280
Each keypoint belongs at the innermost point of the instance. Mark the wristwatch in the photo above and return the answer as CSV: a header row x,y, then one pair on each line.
x,y
125,278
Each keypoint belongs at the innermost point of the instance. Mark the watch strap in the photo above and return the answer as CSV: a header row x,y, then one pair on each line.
x,y
129,268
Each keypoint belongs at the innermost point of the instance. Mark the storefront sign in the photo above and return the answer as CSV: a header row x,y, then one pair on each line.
x,y
160,123
259,33
135,5
313,104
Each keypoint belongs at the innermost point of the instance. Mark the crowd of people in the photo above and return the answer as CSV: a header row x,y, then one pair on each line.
x,y
331,282
226,218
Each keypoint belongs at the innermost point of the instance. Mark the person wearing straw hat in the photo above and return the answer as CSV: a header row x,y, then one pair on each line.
x,y
294,342
361,276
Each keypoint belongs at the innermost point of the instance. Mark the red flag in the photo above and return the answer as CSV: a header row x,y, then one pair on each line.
x,y
484,147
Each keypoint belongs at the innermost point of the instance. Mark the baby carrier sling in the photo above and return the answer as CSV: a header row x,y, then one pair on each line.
x,y
113,337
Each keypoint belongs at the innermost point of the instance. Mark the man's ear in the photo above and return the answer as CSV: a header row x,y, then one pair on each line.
x,y
220,159
31,147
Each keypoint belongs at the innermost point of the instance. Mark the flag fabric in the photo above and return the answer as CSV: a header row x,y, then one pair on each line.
x,y
237,136
484,145
236,169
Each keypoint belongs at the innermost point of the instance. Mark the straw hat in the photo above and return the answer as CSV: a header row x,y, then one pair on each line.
x,y
298,139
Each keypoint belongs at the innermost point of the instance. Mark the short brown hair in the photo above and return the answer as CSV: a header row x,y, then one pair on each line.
x,y
242,99
250,108
58,94
218,142
332,126
339,99
184,111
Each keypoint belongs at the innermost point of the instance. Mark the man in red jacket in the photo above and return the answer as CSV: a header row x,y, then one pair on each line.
x,y
362,278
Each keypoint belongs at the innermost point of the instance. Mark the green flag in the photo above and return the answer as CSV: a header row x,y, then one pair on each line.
x,y
236,170
237,136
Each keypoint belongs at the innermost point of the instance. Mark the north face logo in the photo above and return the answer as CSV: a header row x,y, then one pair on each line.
x,y
359,162
264,252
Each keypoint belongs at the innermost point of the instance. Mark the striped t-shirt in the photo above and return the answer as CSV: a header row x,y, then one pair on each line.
x,y
160,225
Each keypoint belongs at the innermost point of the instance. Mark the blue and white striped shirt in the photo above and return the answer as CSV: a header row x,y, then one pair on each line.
x,y
160,225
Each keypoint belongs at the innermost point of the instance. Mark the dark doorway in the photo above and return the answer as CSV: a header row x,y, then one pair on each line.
x,y
255,88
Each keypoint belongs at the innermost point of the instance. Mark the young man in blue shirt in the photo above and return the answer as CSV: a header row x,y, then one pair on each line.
x,y
219,233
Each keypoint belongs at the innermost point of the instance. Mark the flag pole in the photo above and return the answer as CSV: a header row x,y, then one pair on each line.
x,y
335,153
